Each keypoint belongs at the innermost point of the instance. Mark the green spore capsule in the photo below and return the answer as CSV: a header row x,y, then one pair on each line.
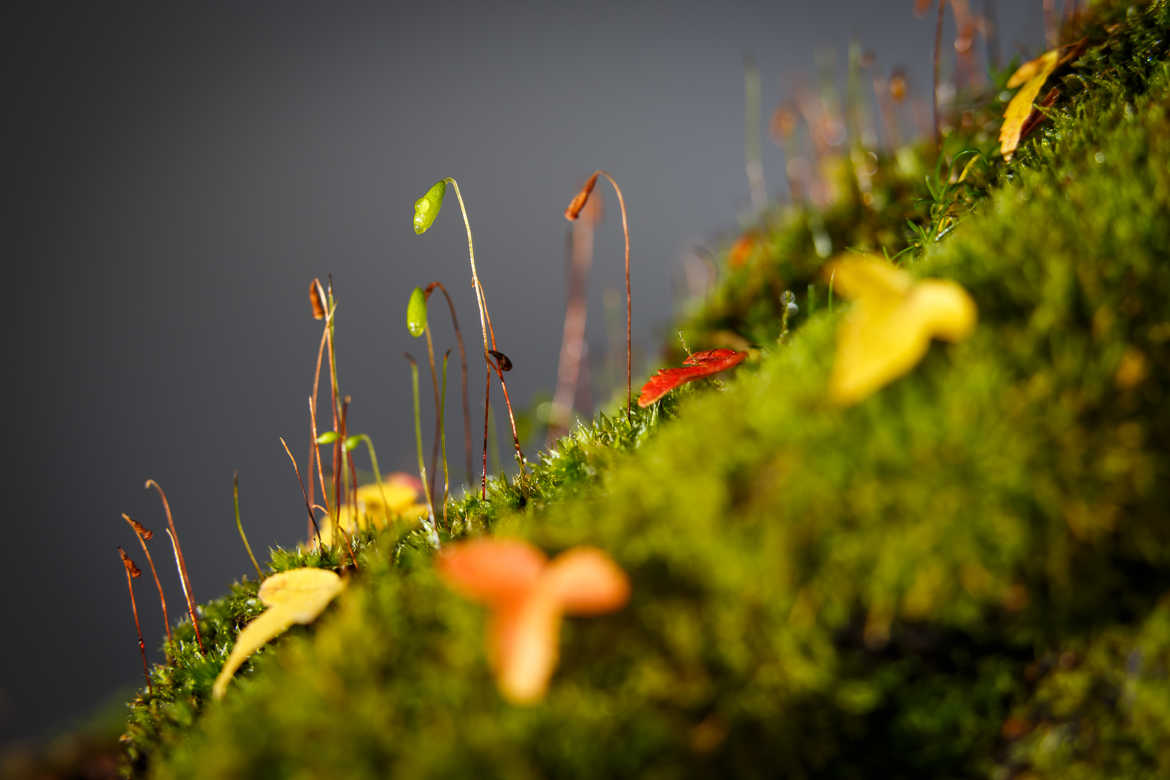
x,y
416,309
327,438
351,443
427,207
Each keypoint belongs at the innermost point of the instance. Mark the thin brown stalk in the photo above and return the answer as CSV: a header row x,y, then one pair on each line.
x,y
938,31
485,326
314,450
334,387
494,365
186,591
316,455
580,256
571,213
337,479
144,535
305,493
499,368
487,394
334,406
463,370
132,572
180,561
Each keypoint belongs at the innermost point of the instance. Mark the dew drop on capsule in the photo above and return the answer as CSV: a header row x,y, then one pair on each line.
x,y
427,207
416,312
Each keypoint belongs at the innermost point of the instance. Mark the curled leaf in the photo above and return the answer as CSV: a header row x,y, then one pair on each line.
x,y
292,597
427,207
696,366
891,324
528,595
1032,76
416,312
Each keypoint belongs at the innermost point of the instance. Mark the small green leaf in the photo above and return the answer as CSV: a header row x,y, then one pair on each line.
x,y
427,207
327,438
351,443
416,310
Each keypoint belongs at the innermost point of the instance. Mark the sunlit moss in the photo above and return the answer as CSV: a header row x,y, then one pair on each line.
x,y
960,575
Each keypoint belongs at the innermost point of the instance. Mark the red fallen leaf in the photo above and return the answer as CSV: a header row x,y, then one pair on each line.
x,y
698,365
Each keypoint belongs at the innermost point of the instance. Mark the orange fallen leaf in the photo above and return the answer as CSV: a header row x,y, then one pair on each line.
x,y
696,366
528,595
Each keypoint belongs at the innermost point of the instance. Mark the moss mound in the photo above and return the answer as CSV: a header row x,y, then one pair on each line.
x,y
963,575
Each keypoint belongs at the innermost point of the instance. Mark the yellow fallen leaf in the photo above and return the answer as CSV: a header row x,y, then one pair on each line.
x,y
1032,76
378,505
294,596
891,324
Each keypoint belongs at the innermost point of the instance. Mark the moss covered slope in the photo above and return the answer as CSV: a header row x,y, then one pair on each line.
x,y
962,574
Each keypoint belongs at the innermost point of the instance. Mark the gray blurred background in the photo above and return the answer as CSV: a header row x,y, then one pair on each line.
x,y
176,176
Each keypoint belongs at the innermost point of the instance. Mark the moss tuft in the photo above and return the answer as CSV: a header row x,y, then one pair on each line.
x,y
962,575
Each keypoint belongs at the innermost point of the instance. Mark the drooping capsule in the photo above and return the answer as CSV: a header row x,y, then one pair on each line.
x,y
581,198
318,300
416,312
427,207
502,360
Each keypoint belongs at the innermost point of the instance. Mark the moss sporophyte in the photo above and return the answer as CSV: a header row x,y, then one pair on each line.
x,y
572,212
426,209
961,574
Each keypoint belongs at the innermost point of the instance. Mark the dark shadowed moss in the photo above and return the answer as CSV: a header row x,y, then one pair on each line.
x,y
962,575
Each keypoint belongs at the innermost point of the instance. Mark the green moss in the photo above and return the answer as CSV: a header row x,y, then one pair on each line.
x,y
875,590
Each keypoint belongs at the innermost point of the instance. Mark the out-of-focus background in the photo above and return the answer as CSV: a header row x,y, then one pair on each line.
x,y
176,176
